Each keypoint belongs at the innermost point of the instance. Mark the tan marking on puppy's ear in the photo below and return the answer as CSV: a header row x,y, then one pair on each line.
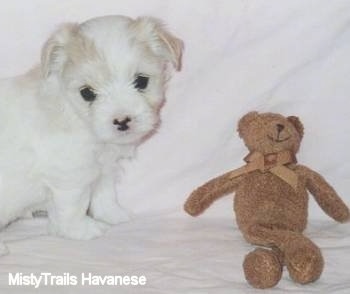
x,y
297,124
245,121
53,54
160,40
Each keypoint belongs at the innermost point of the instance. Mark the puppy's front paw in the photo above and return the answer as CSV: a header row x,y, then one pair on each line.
x,y
84,229
115,217
3,249
112,214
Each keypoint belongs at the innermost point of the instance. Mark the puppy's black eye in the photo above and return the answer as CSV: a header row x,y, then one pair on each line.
x,y
141,82
87,93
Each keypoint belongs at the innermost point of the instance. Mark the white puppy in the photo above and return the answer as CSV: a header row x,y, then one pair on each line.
x,y
65,125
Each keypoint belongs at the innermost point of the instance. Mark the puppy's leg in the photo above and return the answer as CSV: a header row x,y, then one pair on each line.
x,y
68,215
104,205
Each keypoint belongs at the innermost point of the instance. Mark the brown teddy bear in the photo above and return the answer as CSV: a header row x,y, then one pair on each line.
x,y
271,200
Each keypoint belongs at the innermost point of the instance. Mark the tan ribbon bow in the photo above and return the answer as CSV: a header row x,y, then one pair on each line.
x,y
273,163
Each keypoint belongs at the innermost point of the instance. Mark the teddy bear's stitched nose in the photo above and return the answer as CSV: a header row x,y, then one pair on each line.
x,y
280,127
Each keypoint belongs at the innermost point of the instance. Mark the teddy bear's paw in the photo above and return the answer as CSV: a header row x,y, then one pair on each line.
x,y
345,217
193,206
347,220
305,264
262,268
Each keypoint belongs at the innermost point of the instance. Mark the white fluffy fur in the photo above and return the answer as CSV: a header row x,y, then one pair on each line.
x,y
58,149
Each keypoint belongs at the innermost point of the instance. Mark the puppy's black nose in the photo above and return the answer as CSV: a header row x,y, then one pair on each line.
x,y
280,127
122,124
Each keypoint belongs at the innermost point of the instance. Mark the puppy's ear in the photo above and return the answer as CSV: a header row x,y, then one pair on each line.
x,y
54,53
245,121
297,124
162,43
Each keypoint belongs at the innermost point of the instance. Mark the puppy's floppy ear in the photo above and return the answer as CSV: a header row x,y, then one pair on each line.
x,y
297,124
245,121
162,43
53,54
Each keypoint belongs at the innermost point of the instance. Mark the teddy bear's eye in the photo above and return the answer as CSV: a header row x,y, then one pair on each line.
x,y
87,93
141,82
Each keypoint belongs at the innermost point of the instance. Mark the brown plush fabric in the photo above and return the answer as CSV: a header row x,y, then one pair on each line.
x,y
269,211
262,268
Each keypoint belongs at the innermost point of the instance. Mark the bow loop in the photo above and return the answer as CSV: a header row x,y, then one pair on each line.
x,y
271,162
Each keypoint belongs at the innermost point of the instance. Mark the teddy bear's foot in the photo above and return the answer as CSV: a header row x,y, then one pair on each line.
x,y
304,263
262,268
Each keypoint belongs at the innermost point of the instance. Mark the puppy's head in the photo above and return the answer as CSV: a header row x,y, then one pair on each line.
x,y
112,71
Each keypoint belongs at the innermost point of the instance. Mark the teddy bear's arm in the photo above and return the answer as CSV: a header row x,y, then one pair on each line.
x,y
326,197
201,198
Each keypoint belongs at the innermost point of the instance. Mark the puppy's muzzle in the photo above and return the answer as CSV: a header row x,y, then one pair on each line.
x,y
122,124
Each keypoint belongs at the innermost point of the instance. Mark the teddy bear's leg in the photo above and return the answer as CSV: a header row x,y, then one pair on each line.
x,y
262,268
303,259
301,256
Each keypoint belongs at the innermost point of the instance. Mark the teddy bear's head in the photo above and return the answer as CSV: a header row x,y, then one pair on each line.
x,y
270,132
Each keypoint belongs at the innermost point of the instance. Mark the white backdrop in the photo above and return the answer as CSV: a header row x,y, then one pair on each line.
x,y
282,56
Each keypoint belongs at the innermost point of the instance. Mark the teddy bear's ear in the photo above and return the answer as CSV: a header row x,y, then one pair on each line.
x,y
297,124
245,121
